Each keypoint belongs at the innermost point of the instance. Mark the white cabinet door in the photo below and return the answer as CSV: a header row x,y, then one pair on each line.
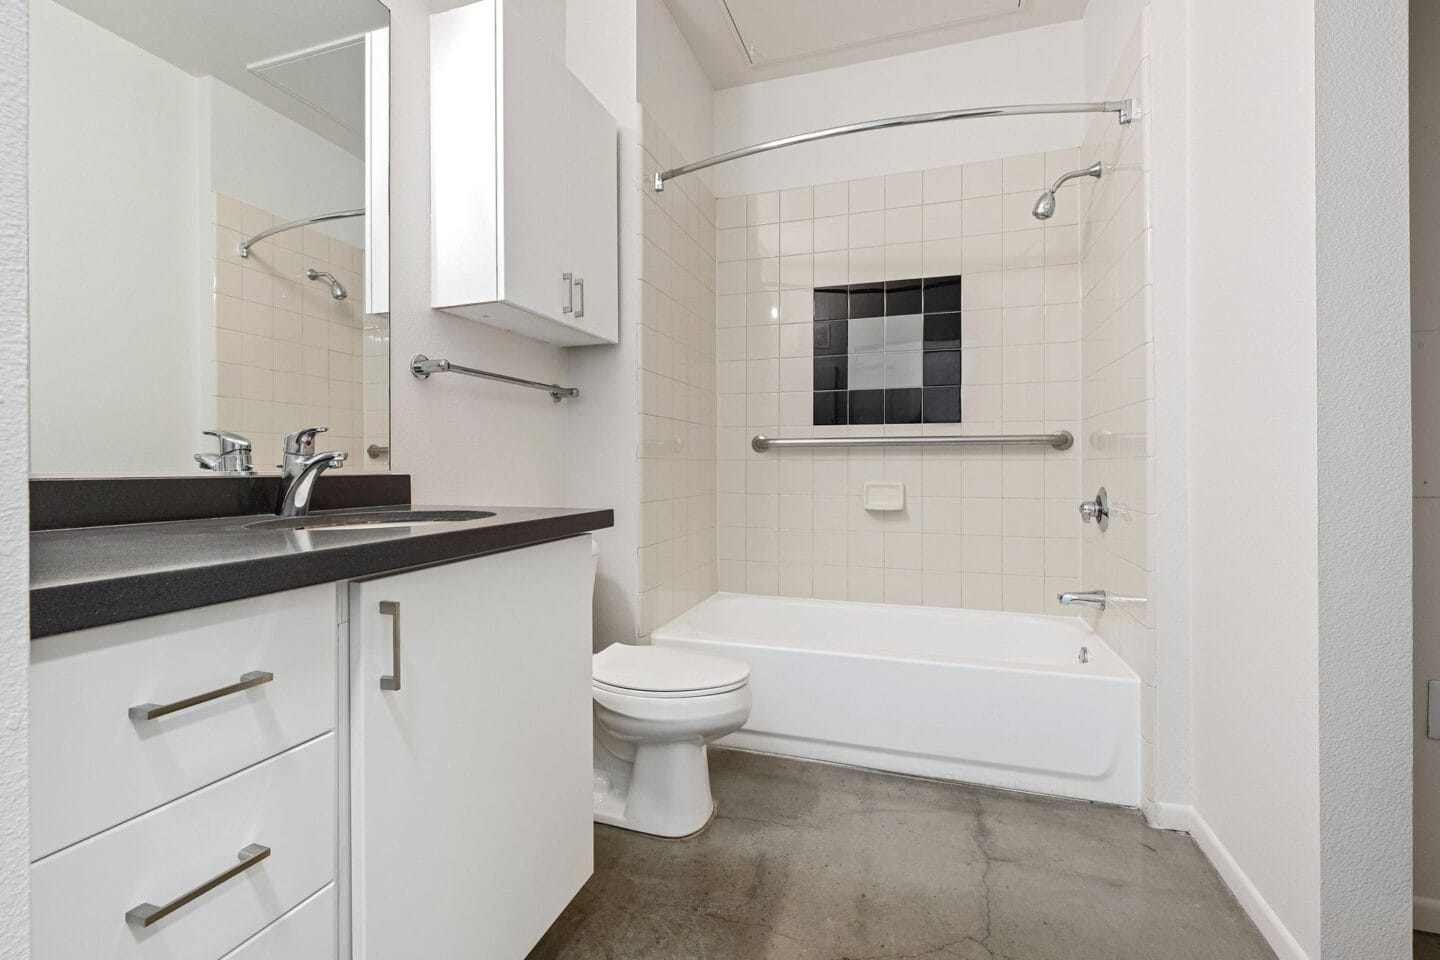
x,y
471,764
594,225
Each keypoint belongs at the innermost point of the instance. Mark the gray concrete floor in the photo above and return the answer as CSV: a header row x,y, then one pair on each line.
x,y
814,862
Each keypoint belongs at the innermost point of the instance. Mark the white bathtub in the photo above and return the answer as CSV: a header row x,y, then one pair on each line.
x,y
995,698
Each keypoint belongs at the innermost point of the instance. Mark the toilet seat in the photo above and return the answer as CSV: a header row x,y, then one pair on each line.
x,y
666,672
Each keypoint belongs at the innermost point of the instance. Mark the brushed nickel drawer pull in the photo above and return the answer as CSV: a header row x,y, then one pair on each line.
x,y
248,681
148,913
391,609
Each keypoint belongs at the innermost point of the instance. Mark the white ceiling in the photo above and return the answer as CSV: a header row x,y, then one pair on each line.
x,y
744,41
297,58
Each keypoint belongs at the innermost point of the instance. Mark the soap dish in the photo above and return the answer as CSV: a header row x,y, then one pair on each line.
x,y
884,495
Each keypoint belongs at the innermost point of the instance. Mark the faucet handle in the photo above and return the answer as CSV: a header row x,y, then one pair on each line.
x,y
301,443
229,442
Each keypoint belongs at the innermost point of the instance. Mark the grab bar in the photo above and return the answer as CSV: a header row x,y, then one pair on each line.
x,y
1060,441
422,366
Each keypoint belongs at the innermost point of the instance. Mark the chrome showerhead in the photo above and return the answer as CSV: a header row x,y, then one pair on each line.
x,y
337,289
1045,207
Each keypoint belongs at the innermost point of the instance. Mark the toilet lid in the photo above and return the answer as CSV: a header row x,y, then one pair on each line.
x,y
661,671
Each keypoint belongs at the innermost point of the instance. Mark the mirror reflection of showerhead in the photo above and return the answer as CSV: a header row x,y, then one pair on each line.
x,y
1045,206
337,289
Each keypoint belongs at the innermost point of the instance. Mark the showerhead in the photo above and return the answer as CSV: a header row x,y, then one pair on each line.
x,y
1045,207
337,289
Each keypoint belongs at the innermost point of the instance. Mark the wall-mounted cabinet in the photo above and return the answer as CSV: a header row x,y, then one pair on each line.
x,y
524,180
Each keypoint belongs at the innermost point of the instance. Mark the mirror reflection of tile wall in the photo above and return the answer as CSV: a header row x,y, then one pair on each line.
x,y
287,353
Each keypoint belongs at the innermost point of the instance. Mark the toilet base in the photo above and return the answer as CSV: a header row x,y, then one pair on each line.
x,y
664,792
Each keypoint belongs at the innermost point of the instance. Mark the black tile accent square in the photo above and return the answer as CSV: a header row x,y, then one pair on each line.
x,y
830,372
942,331
902,406
902,297
867,300
867,406
832,303
942,404
942,368
942,294
830,408
831,337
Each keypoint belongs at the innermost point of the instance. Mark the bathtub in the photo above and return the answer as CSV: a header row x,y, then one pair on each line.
x,y
1000,699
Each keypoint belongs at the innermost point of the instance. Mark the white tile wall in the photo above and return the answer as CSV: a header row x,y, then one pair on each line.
x,y
677,387
1117,384
287,354
983,527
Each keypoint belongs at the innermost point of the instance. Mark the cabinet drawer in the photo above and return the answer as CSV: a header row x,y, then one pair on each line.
x,y
80,897
93,764
305,933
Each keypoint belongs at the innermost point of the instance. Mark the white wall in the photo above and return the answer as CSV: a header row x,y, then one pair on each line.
x,y
1254,454
1425,320
1366,625
1044,64
14,523
107,264
671,84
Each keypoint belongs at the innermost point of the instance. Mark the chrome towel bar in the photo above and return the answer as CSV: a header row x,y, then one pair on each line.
x,y
422,366
1120,107
1060,441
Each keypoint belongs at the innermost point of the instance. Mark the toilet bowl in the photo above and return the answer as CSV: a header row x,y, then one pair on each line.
x,y
656,708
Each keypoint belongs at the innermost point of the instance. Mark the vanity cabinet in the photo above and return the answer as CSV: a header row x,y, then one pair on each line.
x,y
471,753
381,769
524,181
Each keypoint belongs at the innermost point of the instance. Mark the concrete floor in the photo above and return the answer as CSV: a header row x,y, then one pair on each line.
x,y
813,862
1427,946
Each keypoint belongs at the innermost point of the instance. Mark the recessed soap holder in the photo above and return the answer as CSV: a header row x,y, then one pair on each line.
x,y
884,495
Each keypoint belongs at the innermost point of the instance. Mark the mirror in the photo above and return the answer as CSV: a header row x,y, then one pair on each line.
x,y
164,134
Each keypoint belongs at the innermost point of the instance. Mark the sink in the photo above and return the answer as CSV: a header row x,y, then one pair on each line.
x,y
369,519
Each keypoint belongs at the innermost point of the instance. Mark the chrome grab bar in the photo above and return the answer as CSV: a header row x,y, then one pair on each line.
x,y
1062,440
377,450
248,681
1121,107
148,913
245,245
422,366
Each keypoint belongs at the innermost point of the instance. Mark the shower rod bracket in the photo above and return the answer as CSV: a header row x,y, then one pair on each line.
x,y
1122,108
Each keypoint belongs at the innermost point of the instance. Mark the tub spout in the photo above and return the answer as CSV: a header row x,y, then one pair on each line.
x,y
1084,598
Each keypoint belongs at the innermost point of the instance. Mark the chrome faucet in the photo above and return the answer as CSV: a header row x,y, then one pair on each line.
x,y
234,455
301,468
1085,598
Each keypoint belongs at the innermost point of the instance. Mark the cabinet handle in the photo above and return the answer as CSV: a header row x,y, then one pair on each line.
x,y
148,913
391,609
569,280
580,285
248,681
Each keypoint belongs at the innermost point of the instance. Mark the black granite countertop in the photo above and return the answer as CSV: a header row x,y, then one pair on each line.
x,y
89,576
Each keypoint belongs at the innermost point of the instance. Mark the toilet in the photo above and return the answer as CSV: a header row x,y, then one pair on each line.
x,y
656,708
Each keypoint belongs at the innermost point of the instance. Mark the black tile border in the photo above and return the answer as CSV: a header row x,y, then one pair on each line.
x,y
57,503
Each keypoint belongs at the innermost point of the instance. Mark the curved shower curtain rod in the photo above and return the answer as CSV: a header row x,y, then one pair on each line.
x,y
1121,107
245,245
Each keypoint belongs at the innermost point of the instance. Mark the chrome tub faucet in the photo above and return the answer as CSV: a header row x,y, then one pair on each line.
x,y
301,468
1085,598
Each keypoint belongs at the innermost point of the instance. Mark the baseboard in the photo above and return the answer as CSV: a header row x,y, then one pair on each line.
x,y
1427,914
1168,816
1281,940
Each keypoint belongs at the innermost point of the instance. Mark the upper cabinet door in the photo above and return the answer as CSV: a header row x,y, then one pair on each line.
x,y
521,163
592,176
